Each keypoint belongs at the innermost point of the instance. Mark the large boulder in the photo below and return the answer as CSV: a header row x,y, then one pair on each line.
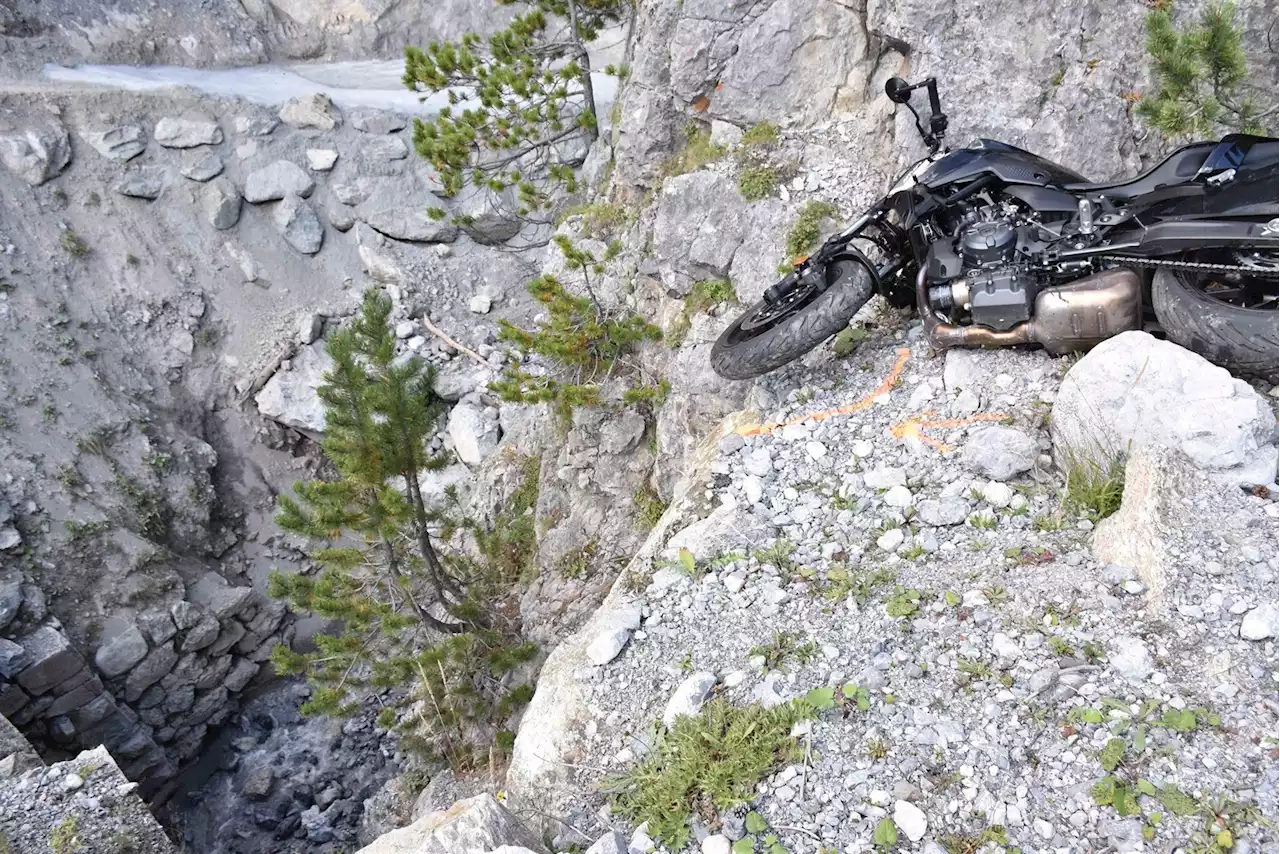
x,y
475,826
36,154
701,222
474,432
729,528
408,223
298,225
489,217
277,180
220,202
187,132
376,121
290,397
1134,390
315,111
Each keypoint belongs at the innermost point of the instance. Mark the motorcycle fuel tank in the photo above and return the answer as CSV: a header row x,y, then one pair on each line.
x,y
1010,164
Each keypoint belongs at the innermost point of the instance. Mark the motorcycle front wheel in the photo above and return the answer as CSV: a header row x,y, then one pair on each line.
x,y
769,335
1229,318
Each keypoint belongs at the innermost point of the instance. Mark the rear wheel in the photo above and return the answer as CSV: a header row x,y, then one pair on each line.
x,y
770,335
1229,317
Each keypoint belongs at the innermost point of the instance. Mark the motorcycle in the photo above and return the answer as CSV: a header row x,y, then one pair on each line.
x,y
996,246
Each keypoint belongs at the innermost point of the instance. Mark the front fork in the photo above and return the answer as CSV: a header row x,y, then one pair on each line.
x,y
810,271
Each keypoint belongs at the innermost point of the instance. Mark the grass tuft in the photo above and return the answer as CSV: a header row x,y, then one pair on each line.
x,y
698,151
757,182
808,227
706,764
1093,491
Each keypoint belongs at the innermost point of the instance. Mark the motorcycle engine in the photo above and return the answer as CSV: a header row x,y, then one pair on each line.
x,y
978,271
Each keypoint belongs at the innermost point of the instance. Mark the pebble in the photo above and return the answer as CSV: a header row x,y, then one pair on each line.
x,y
891,539
910,820
1260,623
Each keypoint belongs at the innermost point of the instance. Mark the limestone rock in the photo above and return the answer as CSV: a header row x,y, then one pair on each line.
x,y
121,143
212,593
202,166
311,111
1134,390
53,660
256,125
120,653
299,225
220,202
728,528
410,223
376,121
371,246
385,148
1151,516
321,159
277,180
187,132
474,435
689,697
910,820
310,326
478,825
158,663
490,217
146,182
999,453
701,222
36,154
942,512
1260,623
290,396
12,658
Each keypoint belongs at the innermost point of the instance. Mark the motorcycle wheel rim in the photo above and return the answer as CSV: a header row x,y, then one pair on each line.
x,y
766,315
1239,289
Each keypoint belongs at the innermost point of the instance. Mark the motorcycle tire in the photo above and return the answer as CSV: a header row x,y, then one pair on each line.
x,y
1242,340
747,350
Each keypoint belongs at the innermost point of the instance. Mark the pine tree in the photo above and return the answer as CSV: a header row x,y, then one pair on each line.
x,y
585,340
1200,76
411,618
527,90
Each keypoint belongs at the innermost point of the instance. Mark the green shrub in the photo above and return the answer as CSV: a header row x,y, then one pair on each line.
x,y
73,244
764,133
1093,491
649,506
707,763
757,182
808,227
697,152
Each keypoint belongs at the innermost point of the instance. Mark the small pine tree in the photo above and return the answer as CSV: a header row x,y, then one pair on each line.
x,y
1200,75
408,616
530,89
585,340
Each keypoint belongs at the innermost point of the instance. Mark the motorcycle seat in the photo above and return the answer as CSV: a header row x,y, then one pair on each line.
x,y
1178,168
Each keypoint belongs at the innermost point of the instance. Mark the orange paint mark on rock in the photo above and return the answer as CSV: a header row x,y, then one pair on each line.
x,y
895,373
702,103
913,428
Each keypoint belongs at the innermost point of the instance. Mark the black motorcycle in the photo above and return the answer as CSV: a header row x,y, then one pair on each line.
x,y
996,246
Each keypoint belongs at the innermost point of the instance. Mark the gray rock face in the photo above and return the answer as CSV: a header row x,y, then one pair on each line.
x,y
700,224
1000,453
145,182
1133,390
36,154
385,148
277,180
376,121
474,434
10,597
220,202
121,652
187,132
476,824
314,111
202,167
299,225
201,634
290,396
119,143
150,671
413,224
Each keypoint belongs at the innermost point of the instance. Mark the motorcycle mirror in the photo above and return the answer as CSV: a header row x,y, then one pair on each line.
x,y
898,90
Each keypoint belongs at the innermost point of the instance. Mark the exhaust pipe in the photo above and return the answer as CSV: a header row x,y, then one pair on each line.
x,y
1069,318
